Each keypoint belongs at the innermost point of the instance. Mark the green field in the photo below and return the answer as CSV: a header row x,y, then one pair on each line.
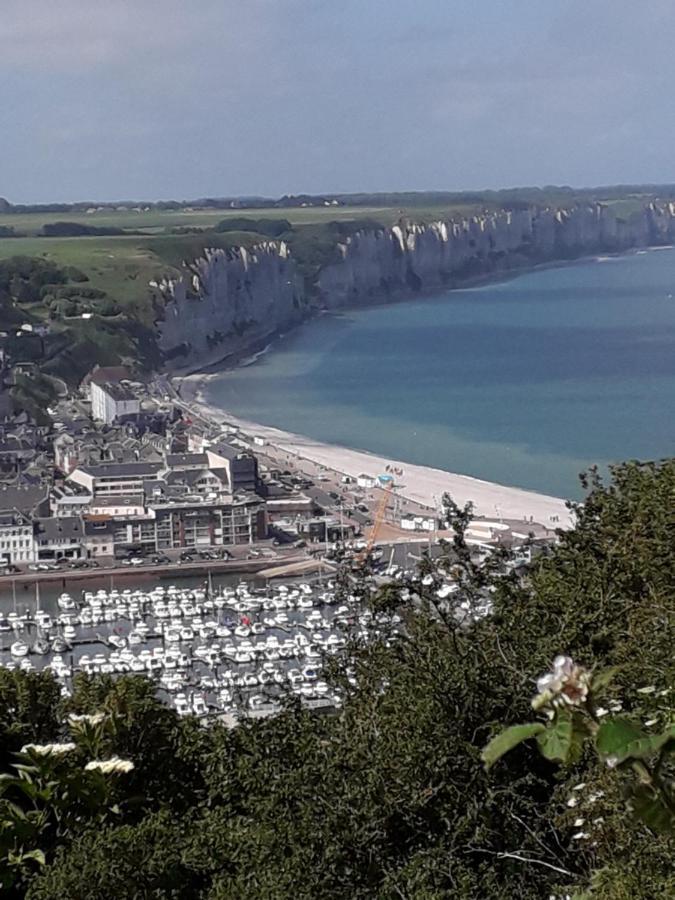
x,y
123,265
156,221
117,269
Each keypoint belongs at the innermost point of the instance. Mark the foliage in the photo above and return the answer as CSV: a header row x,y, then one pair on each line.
x,y
34,394
273,228
570,698
52,791
77,229
389,797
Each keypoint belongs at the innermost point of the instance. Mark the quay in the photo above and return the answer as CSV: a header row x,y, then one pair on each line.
x,y
165,570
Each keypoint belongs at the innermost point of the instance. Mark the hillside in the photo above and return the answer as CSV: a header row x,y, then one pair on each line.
x,y
116,314
388,798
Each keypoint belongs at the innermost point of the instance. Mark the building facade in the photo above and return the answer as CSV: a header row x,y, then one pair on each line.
x,y
112,402
17,542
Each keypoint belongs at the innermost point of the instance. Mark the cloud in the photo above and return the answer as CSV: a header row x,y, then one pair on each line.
x,y
76,35
166,97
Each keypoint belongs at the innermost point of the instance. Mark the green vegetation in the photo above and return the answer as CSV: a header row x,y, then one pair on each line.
x,y
273,228
33,394
119,251
388,798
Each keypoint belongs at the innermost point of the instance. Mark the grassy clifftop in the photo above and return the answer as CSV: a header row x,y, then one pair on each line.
x,y
113,319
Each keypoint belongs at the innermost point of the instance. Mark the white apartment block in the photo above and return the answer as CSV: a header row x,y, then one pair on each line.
x,y
110,402
17,542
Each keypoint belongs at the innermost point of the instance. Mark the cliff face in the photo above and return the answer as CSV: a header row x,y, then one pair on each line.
x,y
415,257
228,301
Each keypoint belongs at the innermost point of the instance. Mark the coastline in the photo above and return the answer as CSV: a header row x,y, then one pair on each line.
x,y
253,351
421,484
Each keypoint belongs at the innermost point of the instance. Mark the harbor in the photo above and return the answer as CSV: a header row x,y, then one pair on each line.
x,y
229,649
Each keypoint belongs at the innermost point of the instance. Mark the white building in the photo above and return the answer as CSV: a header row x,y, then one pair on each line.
x,y
17,543
111,402
418,523
366,481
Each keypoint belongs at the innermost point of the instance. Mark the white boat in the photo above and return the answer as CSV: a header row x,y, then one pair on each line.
x,y
59,644
65,601
199,707
41,646
19,649
15,621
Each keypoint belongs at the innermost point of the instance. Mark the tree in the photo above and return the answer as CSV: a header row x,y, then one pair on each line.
x,y
389,798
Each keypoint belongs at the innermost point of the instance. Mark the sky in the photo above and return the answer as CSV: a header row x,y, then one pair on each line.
x,y
160,99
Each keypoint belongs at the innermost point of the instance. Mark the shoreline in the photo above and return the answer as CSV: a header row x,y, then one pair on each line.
x,y
423,485
249,354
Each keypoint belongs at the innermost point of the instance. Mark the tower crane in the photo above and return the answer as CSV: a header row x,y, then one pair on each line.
x,y
387,486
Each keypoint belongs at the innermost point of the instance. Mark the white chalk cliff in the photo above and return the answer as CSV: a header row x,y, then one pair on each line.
x,y
229,302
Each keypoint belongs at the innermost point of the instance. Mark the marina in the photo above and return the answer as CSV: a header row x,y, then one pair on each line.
x,y
226,650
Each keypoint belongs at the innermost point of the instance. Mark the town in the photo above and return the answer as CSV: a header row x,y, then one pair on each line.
x,y
128,475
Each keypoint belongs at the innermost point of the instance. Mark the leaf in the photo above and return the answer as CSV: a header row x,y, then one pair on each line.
x,y
555,743
615,735
37,855
507,740
602,678
650,808
622,739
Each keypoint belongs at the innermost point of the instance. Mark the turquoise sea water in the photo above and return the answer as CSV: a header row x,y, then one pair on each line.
x,y
524,382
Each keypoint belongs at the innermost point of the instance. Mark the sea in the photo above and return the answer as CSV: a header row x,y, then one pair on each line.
x,y
526,382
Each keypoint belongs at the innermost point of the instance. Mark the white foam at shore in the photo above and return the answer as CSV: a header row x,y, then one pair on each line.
x,y
421,484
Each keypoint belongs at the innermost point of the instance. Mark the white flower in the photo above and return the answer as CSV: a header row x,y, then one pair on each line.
x,y
601,711
650,722
49,749
579,822
598,821
650,689
572,802
595,796
113,765
580,836
94,719
567,684
579,787
612,762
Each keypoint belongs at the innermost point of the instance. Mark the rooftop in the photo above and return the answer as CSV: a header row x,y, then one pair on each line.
x,y
121,470
187,459
22,497
63,528
116,391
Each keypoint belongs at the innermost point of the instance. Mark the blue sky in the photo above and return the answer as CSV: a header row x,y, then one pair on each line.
x,y
112,99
